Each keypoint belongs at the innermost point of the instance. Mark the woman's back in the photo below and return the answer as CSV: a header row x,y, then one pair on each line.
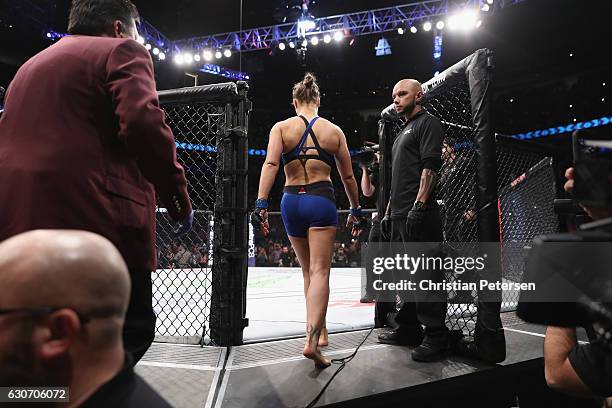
x,y
311,170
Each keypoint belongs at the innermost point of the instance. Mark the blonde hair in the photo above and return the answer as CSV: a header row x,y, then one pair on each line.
x,y
307,90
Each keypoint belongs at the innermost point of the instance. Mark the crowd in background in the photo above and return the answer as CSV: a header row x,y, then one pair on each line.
x,y
275,250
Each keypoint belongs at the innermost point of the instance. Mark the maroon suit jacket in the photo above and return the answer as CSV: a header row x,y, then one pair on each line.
x,y
84,145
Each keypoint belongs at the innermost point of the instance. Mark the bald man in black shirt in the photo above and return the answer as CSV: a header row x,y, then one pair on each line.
x,y
413,215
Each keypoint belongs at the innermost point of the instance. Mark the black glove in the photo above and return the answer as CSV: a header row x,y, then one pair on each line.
x,y
259,217
385,228
414,221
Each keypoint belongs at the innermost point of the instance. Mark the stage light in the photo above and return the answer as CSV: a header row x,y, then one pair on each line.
x,y
327,38
196,57
352,42
511,100
155,51
604,84
466,20
305,24
490,2
440,25
413,30
218,54
49,35
571,54
338,36
571,106
485,8
178,59
400,31
188,58
148,47
291,44
281,46
141,40
478,23
305,43
162,56
247,77
314,40
427,26
227,53
603,99
208,55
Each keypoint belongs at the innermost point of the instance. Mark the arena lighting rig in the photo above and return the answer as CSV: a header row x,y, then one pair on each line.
x,y
429,15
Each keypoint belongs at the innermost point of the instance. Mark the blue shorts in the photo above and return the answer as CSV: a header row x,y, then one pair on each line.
x,y
306,206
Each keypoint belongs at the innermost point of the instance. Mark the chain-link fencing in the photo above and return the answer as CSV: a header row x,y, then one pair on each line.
x,y
201,119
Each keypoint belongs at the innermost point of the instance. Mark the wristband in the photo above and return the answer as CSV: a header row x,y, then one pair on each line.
x,y
261,203
356,211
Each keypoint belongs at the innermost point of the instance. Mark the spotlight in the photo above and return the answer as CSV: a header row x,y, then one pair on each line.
x,y
246,77
155,51
304,43
485,7
327,38
148,47
218,54
162,56
427,26
352,42
314,40
227,53
178,59
466,20
49,35
188,58
196,57
140,39
440,25
338,36
281,46
291,44
490,2
400,31
413,30
208,55
478,23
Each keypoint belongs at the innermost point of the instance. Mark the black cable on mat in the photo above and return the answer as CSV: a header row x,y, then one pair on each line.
x,y
342,362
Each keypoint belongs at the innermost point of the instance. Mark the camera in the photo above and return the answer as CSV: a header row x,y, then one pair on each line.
x,y
592,150
366,155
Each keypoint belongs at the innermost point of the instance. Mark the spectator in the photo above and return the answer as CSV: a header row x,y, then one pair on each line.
x,y
275,254
63,300
340,259
286,259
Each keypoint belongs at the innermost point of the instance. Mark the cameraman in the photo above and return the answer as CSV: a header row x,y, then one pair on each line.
x,y
582,370
369,181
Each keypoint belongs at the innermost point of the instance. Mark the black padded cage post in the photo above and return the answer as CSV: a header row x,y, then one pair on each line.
x,y
199,288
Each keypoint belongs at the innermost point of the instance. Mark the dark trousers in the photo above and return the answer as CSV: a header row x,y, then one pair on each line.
x,y
381,309
139,327
429,311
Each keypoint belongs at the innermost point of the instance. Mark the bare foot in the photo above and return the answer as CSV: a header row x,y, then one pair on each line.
x,y
311,348
324,338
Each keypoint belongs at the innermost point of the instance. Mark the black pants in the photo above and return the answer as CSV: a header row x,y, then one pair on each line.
x,y
431,310
139,327
381,309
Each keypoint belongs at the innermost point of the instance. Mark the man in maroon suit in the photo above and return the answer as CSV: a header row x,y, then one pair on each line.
x,y
83,145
